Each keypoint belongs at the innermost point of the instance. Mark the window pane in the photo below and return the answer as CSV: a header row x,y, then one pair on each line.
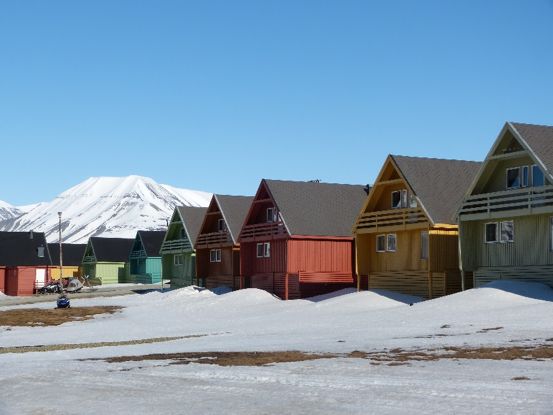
x,y
491,232
391,242
381,243
525,175
260,250
424,245
270,215
412,201
507,231
513,178
396,199
404,198
267,249
538,178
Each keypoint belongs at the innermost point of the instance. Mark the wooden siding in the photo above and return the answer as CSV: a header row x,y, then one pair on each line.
x,y
20,281
215,274
542,274
324,256
252,265
496,180
2,279
443,250
180,275
68,272
531,244
107,272
150,272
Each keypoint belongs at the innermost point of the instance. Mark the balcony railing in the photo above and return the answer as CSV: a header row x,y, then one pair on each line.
x,y
213,238
396,219
177,245
262,230
525,201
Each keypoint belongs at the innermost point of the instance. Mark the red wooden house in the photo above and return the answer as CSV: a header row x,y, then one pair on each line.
x,y
296,241
217,247
24,262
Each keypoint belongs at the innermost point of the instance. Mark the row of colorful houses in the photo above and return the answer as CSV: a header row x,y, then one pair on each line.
x,y
426,227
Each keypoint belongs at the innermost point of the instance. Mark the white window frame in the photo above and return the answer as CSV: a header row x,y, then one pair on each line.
x,y
522,183
180,261
486,232
501,232
507,178
257,247
388,249
425,253
221,226
383,235
215,255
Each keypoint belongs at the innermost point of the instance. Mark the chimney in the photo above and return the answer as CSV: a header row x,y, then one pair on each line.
x,y
367,188
31,234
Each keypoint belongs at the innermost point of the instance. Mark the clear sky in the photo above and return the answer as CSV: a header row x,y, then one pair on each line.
x,y
214,95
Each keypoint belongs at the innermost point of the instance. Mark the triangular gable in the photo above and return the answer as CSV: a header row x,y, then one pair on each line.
x,y
89,252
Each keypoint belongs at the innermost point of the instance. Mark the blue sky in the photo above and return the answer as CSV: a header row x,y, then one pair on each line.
x,y
214,95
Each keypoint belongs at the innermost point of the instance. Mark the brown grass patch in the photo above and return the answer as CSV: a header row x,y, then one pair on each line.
x,y
520,378
51,317
225,358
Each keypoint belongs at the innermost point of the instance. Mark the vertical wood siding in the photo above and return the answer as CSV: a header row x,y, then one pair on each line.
x,y
406,257
319,256
252,265
444,250
180,275
2,279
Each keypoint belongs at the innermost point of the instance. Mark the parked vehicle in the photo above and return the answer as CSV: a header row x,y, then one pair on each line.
x,y
51,288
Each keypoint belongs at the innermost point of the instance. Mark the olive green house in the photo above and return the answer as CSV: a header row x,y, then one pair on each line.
x,y
105,260
506,217
178,256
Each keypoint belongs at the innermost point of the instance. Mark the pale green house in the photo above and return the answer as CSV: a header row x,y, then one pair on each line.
x,y
177,250
105,260
506,218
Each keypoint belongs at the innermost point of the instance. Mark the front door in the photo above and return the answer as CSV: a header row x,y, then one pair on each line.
x,y
40,278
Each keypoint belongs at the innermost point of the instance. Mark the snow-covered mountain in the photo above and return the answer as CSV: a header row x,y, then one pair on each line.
x,y
106,206
8,211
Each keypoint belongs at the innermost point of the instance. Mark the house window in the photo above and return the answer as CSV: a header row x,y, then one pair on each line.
x,y
178,260
507,231
525,179
513,178
491,232
538,179
271,215
182,233
264,250
380,243
412,201
221,225
40,252
424,245
215,255
391,242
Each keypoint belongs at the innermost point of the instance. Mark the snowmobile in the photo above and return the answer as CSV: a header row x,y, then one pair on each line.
x,y
63,302
51,288
74,285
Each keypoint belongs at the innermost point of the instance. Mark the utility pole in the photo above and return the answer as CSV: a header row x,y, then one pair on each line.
x,y
61,251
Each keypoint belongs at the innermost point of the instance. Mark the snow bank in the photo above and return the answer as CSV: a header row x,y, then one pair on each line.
x,y
533,290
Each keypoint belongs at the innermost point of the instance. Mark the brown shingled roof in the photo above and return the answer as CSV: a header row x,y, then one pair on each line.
x,y
234,210
192,218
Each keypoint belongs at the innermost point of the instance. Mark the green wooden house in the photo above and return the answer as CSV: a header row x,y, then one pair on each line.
x,y
105,259
145,259
177,250
506,218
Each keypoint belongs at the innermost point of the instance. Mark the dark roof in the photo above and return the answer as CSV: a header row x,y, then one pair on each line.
x,y
540,140
192,218
151,241
319,209
234,210
439,184
111,249
18,249
72,254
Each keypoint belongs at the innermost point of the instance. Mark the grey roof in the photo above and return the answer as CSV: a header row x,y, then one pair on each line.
x,y
439,184
111,249
234,210
540,140
192,218
19,249
318,209
72,253
151,241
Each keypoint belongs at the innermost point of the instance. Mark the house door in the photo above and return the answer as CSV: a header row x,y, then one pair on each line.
x,y
40,278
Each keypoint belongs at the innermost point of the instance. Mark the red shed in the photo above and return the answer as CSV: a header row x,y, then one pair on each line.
x,y
24,262
217,247
297,240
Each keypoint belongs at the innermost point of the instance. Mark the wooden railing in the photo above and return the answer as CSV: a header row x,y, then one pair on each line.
x,y
89,259
527,199
393,218
138,254
213,238
176,245
258,230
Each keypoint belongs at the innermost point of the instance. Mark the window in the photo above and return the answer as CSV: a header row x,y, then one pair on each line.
x,y
513,178
380,243
391,244
221,225
178,260
404,198
538,179
215,255
424,245
271,215
507,231
491,232
525,176
40,252
182,233
263,250
412,201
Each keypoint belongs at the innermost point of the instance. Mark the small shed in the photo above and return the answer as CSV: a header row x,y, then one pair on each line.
x,y
145,259
72,258
24,262
105,259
